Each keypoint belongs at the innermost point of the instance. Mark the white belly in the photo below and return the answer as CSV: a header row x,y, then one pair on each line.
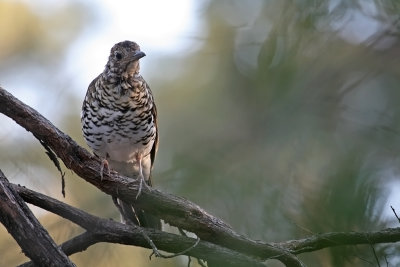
x,y
126,150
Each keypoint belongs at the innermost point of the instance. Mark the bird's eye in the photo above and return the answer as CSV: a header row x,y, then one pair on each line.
x,y
118,55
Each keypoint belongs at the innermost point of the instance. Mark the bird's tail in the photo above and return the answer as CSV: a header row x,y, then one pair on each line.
x,y
134,215
131,213
148,220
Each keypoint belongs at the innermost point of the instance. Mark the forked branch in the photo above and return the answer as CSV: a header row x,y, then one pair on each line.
x,y
217,238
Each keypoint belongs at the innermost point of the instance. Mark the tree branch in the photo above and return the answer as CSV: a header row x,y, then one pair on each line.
x,y
74,245
172,209
34,240
320,241
105,230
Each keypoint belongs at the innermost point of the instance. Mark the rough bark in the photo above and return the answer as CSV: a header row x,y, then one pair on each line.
x,y
174,210
20,222
218,240
105,230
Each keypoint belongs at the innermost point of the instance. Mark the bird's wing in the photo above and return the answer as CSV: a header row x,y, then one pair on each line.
x,y
91,88
155,145
154,149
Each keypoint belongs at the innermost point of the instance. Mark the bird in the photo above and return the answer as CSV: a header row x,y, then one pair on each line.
x,y
119,124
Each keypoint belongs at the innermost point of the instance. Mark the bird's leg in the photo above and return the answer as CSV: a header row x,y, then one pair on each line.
x,y
140,176
104,164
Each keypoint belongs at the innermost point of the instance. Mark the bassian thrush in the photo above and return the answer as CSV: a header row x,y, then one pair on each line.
x,y
119,123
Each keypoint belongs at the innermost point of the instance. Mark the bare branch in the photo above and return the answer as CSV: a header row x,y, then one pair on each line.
x,y
395,214
74,245
375,256
79,243
20,222
321,241
174,210
105,230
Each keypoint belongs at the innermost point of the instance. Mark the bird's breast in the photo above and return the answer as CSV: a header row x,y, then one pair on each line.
x,y
122,133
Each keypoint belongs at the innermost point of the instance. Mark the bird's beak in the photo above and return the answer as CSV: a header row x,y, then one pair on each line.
x,y
136,56
133,63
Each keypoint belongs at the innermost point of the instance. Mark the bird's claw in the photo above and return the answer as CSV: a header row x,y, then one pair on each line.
x,y
141,178
141,182
104,164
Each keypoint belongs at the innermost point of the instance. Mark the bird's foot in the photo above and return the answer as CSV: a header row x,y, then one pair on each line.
x,y
104,164
141,183
140,176
141,179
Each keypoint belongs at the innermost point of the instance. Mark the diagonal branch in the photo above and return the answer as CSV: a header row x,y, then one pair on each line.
x,y
74,245
20,222
174,210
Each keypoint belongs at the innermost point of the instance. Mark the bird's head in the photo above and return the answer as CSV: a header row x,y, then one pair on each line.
x,y
124,59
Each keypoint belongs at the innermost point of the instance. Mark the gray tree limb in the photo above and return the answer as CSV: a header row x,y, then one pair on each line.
x,y
325,240
106,230
20,222
174,210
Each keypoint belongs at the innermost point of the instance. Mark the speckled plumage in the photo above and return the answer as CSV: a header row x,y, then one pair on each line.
x,y
119,116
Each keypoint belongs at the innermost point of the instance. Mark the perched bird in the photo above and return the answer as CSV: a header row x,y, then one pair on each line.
x,y
119,123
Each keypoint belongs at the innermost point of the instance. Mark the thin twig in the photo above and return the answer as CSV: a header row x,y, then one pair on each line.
x,y
50,153
376,256
184,234
395,214
387,262
199,261
159,254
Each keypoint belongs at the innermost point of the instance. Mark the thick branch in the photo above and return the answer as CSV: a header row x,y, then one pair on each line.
x,y
85,220
104,230
20,222
174,210
79,243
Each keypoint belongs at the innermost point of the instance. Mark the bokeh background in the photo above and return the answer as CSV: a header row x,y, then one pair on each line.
x,y
280,117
